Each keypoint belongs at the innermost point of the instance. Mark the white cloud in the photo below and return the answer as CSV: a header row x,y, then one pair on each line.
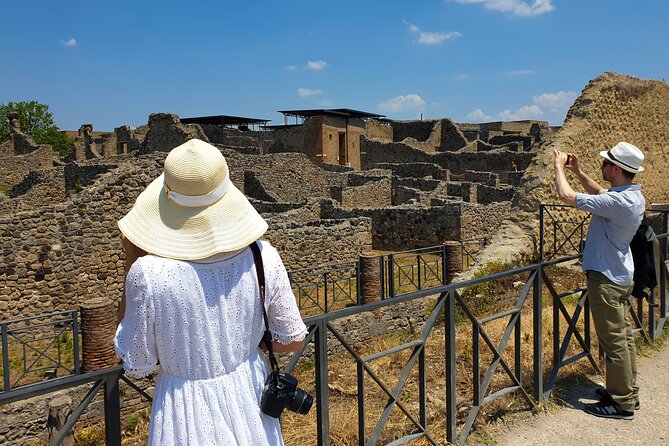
x,y
524,112
518,73
560,100
70,42
428,38
431,38
291,68
306,92
316,65
402,103
478,116
462,77
326,103
515,7
547,106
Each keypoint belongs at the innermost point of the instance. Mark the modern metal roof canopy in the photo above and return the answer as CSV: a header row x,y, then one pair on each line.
x,y
224,120
341,112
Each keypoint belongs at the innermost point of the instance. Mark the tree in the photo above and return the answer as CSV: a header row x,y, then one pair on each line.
x,y
37,121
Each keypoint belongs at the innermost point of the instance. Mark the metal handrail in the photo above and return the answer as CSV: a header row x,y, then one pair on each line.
x,y
323,335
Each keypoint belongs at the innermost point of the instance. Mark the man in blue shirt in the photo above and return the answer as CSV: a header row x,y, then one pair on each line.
x,y
607,262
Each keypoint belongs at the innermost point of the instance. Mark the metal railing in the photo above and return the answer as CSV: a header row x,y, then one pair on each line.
x,y
34,347
565,237
413,270
334,286
327,287
571,342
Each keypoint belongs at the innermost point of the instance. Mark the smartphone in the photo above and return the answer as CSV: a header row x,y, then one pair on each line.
x,y
568,160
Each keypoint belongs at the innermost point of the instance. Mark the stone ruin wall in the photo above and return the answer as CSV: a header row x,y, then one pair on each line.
x,y
13,169
416,170
38,188
247,141
420,131
499,161
6,149
378,131
166,132
401,228
303,138
480,220
611,108
57,256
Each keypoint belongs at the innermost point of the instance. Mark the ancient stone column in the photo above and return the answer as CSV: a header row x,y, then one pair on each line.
x,y
453,259
59,411
370,280
98,326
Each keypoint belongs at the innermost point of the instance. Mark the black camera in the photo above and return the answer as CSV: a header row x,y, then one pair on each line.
x,y
281,392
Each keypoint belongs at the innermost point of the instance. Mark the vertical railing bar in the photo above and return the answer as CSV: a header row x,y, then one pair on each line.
x,y
75,341
391,275
541,233
518,365
422,396
323,420
382,277
112,402
361,403
537,336
418,260
557,359
5,357
451,403
443,263
358,285
476,366
325,282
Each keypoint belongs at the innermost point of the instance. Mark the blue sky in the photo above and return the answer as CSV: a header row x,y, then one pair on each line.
x,y
114,63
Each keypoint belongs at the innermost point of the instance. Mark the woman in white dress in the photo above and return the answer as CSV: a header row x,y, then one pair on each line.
x,y
192,304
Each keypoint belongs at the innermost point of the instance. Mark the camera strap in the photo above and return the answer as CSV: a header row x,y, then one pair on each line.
x,y
267,335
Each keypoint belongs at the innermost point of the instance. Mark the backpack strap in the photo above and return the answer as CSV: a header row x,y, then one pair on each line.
x,y
267,335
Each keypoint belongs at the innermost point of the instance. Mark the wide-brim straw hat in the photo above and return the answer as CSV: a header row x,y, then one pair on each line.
x,y
192,210
625,155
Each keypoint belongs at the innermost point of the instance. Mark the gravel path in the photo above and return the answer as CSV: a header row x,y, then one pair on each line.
x,y
571,425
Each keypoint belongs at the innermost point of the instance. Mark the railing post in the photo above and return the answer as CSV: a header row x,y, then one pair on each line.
x,y
382,277
325,292
391,275
418,258
112,403
537,328
451,402
5,358
75,341
322,409
541,233
444,271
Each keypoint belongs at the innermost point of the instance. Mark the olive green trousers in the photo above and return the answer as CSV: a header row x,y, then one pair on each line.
x,y
610,307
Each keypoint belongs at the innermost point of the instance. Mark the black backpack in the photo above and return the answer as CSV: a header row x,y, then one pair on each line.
x,y
646,254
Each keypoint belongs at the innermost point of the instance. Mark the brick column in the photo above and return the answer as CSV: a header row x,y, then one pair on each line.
x,y
453,254
370,285
98,326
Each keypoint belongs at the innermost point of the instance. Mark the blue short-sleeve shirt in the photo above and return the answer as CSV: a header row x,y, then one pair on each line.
x,y
616,215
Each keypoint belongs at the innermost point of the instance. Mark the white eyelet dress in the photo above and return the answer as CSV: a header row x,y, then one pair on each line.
x,y
202,322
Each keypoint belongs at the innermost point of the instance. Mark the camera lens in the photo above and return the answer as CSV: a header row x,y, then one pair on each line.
x,y
301,403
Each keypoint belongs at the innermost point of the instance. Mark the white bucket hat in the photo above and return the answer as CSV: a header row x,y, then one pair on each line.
x,y
629,157
192,211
